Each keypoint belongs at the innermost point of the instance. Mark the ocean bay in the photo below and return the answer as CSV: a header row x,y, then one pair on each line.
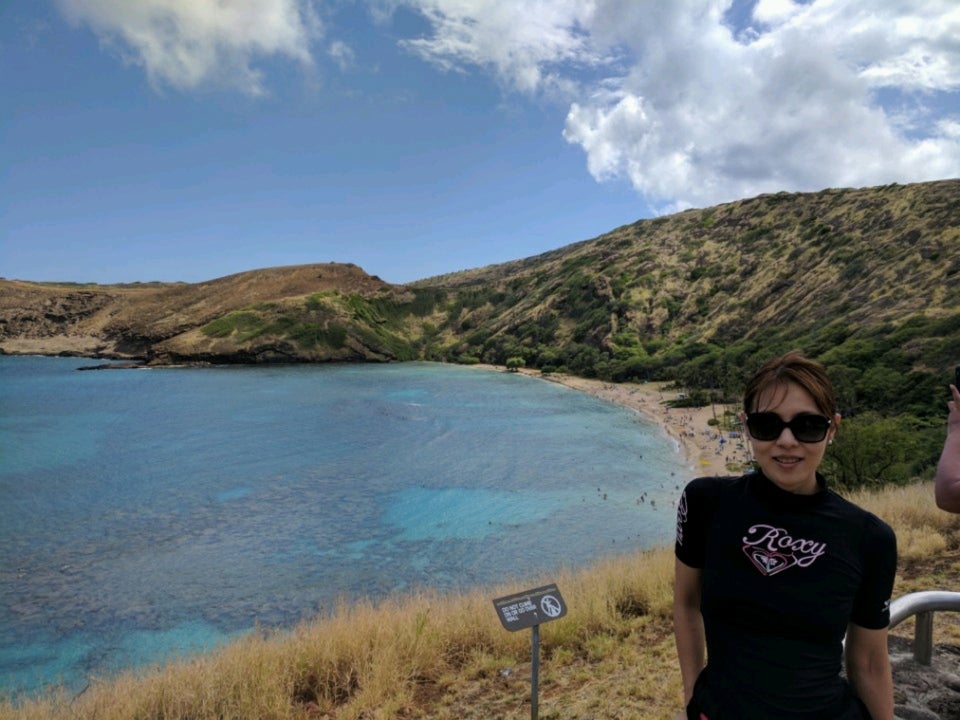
x,y
153,512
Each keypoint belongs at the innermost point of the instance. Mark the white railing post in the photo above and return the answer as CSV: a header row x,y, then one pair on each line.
x,y
923,604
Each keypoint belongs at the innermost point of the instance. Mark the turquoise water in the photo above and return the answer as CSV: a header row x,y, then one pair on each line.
x,y
148,514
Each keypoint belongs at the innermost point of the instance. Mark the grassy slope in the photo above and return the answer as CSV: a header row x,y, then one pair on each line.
x,y
430,656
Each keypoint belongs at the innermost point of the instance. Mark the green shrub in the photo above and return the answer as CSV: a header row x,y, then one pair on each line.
x,y
243,322
515,363
309,335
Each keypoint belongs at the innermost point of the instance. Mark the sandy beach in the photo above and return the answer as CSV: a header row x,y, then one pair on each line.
x,y
699,442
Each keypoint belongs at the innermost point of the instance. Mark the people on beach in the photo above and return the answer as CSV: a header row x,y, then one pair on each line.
x,y
946,482
774,569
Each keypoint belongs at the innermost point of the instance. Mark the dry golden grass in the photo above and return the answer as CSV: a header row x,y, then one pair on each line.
x,y
447,657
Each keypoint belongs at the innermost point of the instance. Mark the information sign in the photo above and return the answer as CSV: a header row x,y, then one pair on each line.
x,y
530,607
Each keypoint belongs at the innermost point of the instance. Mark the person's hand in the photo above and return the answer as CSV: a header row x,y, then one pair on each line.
x,y
953,419
682,715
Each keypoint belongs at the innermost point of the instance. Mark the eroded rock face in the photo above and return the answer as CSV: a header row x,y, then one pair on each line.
x,y
31,314
921,692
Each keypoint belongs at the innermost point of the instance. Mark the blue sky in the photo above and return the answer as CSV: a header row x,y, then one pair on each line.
x,y
186,140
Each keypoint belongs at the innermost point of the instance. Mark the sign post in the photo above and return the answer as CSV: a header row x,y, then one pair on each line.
x,y
528,609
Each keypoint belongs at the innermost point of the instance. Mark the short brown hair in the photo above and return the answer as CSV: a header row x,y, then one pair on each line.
x,y
792,367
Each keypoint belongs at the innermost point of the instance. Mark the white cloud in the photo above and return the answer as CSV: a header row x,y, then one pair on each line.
x,y
524,41
342,54
775,12
191,43
950,128
692,112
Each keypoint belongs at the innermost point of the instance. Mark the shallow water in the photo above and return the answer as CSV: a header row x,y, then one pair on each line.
x,y
152,513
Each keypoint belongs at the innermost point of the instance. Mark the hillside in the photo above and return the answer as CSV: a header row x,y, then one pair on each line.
x,y
864,279
178,322
816,268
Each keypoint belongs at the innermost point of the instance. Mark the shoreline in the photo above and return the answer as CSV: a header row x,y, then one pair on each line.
x,y
700,443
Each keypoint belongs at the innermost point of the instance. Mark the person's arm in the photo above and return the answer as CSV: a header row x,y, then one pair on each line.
x,y
688,625
947,479
868,670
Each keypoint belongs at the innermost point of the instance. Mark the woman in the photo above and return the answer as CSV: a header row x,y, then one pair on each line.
x,y
946,483
773,569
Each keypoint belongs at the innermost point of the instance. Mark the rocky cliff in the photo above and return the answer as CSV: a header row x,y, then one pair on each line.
x,y
164,323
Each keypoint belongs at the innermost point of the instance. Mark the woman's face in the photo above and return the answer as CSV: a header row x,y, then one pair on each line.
x,y
790,464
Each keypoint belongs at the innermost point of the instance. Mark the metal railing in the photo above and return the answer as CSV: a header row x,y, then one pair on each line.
x,y
923,605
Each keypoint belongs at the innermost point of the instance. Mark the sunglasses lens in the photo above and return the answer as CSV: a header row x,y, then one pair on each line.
x,y
765,426
810,428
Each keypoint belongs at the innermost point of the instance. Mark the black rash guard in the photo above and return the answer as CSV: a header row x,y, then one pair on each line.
x,y
782,576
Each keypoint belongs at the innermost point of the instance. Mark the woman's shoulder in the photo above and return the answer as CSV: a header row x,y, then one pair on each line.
x,y
873,525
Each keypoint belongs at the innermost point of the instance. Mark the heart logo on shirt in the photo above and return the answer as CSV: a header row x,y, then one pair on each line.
x,y
769,563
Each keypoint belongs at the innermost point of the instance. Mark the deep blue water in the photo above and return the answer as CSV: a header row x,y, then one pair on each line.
x,y
151,513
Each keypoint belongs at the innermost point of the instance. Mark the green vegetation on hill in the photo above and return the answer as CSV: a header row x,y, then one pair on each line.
x,y
865,280
330,319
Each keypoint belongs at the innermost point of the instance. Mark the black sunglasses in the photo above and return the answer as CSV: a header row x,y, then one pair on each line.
x,y
808,428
